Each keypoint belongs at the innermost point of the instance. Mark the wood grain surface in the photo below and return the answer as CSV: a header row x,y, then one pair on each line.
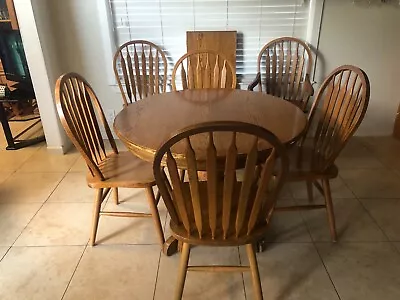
x,y
145,125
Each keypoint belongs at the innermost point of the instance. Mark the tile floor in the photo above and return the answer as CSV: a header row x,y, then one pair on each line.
x,y
45,217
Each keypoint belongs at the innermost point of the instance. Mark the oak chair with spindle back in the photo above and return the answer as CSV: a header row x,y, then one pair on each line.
x,y
143,67
82,117
202,69
339,108
284,69
220,210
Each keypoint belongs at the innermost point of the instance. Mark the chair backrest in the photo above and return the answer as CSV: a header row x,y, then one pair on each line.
x,y
80,113
339,108
202,69
222,208
140,68
284,65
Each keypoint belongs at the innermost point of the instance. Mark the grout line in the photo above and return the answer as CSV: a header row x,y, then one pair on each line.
x,y
9,176
364,208
73,164
29,157
41,206
320,257
156,244
377,156
347,186
158,269
13,172
305,223
38,210
73,273
5,253
373,220
307,228
48,246
244,285
327,272
393,246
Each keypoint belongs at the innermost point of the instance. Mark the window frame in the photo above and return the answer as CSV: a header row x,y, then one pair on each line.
x,y
110,46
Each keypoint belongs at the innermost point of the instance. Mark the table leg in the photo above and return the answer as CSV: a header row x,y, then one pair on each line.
x,y
6,127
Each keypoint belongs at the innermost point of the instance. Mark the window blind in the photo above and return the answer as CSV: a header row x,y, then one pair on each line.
x,y
165,22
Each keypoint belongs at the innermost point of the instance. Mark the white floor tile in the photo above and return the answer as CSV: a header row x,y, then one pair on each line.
x,y
367,271
37,273
59,224
201,285
115,272
29,187
13,219
291,272
353,223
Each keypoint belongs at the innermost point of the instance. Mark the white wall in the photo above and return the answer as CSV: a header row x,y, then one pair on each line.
x,y
80,46
41,54
366,37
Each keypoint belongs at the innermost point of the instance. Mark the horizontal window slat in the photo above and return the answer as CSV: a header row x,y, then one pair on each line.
x,y
165,22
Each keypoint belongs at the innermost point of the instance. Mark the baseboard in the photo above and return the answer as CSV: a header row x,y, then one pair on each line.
x,y
60,149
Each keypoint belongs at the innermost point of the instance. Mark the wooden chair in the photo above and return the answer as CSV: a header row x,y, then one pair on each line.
x,y
82,116
202,69
338,110
283,70
140,63
221,211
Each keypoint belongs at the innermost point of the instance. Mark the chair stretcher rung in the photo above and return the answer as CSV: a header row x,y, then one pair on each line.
x,y
300,207
218,268
124,214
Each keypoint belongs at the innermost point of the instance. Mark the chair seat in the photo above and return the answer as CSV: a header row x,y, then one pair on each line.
x,y
304,165
179,231
123,170
298,103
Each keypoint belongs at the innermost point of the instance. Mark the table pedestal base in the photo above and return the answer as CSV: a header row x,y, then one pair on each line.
x,y
171,246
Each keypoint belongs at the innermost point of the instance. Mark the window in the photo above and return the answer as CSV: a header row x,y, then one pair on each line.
x,y
165,22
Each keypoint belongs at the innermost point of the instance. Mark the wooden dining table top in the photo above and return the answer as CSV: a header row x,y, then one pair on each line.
x,y
145,125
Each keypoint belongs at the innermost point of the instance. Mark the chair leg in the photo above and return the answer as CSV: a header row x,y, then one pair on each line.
x,y
96,215
158,197
182,271
115,195
310,191
255,275
329,209
155,214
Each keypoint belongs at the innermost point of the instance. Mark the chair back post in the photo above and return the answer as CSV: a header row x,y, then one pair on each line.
x,y
288,62
339,108
222,209
204,69
141,63
80,112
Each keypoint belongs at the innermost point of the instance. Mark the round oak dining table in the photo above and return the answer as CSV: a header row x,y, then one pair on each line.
x,y
145,125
